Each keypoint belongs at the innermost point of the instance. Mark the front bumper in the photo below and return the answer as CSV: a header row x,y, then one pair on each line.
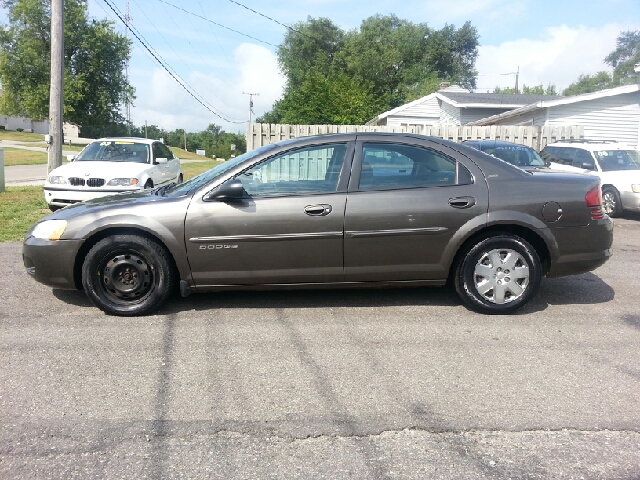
x,y
630,201
51,263
63,196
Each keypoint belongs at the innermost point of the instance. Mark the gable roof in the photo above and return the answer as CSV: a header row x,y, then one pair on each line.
x,y
461,98
610,92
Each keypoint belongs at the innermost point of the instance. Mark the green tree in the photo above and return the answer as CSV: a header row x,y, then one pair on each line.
x,y
338,77
624,57
589,83
94,58
526,90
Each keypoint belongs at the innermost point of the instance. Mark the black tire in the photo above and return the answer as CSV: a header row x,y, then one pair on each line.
x,y
149,184
485,278
180,178
54,208
611,204
128,275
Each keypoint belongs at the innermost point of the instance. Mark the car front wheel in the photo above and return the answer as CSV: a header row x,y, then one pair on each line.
x,y
128,275
498,274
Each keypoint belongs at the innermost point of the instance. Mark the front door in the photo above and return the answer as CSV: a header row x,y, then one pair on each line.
x,y
288,227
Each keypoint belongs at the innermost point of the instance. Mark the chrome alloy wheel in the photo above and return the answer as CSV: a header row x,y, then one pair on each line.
x,y
501,276
609,202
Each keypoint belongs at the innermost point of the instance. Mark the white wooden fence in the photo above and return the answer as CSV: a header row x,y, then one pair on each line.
x,y
259,134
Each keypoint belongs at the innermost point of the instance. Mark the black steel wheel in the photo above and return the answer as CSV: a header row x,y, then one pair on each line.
x,y
498,274
128,275
611,204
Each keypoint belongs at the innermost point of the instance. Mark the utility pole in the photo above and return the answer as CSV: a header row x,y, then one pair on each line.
x,y
127,19
145,129
56,88
517,75
185,138
251,102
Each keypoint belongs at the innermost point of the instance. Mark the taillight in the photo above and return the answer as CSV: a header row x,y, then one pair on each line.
x,y
593,199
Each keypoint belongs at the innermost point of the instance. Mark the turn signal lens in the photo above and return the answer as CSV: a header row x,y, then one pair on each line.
x,y
636,188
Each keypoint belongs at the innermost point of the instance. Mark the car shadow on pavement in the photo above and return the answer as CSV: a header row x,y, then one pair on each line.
x,y
574,290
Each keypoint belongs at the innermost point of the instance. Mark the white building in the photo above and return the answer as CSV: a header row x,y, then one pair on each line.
x,y
612,114
454,106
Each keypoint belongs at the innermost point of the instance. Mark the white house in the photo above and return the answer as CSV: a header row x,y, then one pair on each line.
x,y
453,106
612,114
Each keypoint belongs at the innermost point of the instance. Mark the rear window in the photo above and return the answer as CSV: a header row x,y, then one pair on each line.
x,y
520,156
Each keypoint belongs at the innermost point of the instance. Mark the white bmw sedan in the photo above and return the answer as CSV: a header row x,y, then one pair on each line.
x,y
109,166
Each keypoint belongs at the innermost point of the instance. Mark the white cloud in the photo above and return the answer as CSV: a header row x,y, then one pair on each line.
x,y
165,103
559,58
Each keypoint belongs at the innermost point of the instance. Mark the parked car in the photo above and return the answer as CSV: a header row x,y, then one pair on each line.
x,y
516,154
111,165
617,165
365,209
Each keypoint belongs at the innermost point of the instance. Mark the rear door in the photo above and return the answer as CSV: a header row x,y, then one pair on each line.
x,y
406,201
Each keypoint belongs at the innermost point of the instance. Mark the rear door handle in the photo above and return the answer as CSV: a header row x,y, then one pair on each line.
x,y
462,202
317,210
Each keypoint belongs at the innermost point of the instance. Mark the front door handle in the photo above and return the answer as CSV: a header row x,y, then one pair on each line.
x,y
462,202
317,210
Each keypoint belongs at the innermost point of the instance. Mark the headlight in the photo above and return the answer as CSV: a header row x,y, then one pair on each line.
x,y
636,187
57,180
50,229
122,182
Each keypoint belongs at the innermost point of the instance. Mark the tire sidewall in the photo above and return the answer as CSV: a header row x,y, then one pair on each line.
x,y
465,283
616,198
154,254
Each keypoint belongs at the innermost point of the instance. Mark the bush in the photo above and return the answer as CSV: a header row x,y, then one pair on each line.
x,y
2,127
19,129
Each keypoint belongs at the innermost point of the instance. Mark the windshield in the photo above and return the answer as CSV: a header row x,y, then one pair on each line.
x,y
114,151
520,156
209,175
612,160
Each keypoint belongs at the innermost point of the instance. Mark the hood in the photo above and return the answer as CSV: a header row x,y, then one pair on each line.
x,y
621,177
127,199
106,170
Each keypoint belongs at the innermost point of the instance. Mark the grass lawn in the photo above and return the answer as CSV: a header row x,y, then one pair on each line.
x,y
182,153
16,156
21,136
20,207
72,148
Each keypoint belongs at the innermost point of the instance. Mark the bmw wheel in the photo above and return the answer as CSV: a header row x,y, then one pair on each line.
x,y
128,275
498,274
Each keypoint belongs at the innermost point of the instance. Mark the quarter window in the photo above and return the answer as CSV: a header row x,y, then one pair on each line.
x,y
304,171
389,166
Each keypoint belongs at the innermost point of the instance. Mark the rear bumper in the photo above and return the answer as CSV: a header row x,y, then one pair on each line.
x,y
51,263
582,248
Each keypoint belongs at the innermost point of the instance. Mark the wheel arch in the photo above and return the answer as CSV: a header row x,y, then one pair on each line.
x,y
88,244
526,233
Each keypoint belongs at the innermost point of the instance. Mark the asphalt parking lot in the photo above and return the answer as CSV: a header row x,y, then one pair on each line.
x,y
325,384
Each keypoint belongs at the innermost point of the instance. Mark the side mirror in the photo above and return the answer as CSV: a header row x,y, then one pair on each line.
x,y
161,161
71,158
230,190
588,166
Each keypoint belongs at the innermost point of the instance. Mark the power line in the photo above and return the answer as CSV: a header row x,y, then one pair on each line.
x,y
216,23
165,66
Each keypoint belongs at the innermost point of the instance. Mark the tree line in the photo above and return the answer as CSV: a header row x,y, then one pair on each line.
x,y
333,76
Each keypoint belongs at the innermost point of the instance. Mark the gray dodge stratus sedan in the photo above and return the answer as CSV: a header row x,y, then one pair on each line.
x,y
331,211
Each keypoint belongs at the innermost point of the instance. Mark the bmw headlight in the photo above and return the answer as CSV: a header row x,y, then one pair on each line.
x,y
50,229
54,179
636,187
122,182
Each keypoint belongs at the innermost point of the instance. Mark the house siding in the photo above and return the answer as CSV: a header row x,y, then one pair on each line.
x,y
449,115
474,114
610,118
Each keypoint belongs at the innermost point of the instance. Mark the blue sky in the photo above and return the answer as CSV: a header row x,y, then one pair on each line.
x,y
551,42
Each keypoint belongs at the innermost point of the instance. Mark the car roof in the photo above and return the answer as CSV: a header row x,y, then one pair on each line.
x,y
592,145
495,143
127,139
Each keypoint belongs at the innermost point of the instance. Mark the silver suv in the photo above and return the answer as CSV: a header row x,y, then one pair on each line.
x,y
617,165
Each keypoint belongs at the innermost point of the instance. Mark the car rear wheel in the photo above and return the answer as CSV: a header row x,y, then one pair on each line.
x,y
180,178
498,274
611,204
128,275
